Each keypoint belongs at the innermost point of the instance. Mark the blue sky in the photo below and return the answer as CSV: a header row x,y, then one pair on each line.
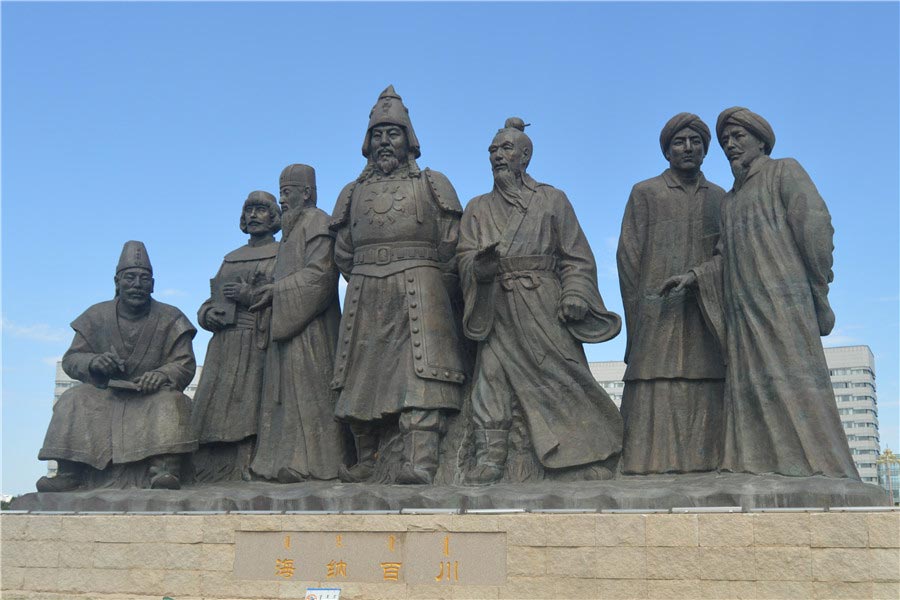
x,y
153,121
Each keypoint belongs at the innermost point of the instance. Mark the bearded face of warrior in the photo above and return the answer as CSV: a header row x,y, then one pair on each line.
x,y
388,147
686,151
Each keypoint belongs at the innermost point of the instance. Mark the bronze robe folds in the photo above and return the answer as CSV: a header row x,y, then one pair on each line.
x,y
297,429
95,425
226,405
400,346
766,295
525,352
672,403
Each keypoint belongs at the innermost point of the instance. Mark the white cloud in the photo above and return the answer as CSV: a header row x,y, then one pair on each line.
x,y
39,332
839,337
169,292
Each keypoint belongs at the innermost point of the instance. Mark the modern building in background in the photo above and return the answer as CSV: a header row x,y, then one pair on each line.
x,y
852,370
64,382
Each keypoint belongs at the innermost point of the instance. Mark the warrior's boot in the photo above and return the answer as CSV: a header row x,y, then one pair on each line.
x,y
421,460
366,448
165,472
69,476
490,456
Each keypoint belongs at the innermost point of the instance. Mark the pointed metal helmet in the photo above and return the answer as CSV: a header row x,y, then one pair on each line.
x,y
134,254
389,110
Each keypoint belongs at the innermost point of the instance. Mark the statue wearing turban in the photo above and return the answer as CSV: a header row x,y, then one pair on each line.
x,y
765,294
672,402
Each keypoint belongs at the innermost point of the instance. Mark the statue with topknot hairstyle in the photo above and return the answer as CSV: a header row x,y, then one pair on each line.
x,y
530,285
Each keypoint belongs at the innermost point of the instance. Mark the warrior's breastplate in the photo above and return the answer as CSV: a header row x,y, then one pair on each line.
x,y
391,210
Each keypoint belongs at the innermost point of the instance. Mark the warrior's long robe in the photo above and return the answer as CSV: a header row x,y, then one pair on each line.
x,y
297,428
96,425
525,351
765,293
672,402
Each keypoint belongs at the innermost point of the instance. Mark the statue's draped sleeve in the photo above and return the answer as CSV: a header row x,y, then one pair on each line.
x,y
810,224
77,359
576,265
478,297
300,296
628,258
710,283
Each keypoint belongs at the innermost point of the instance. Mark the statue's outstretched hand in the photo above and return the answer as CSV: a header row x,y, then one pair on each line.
x,y
676,283
487,263
263,297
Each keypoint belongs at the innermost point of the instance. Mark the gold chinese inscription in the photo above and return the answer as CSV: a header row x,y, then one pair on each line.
x,y
391,570
419,557
336,568
284,567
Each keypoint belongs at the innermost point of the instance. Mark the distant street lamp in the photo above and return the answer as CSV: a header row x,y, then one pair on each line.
x,y
888,458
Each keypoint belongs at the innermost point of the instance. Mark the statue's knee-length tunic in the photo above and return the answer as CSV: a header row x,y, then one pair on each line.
x,y
399,346
226,404
525,351
297,428
766,293
674,383
96,425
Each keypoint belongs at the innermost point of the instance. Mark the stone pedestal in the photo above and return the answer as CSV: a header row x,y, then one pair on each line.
x,y
805,554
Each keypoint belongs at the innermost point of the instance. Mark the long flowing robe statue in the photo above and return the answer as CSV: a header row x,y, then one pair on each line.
x,y
225,413
530,287
765,293
299,437
400,362
134,358
674,383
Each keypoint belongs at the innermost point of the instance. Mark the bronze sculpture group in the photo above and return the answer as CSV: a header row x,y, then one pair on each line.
x,y
725,298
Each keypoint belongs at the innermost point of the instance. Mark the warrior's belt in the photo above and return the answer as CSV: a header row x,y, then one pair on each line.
x,y
385,254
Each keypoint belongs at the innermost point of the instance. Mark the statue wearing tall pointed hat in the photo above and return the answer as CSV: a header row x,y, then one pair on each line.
x,y
399,363
128,423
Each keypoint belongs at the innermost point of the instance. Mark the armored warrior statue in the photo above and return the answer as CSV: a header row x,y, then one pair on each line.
x,y
399,359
